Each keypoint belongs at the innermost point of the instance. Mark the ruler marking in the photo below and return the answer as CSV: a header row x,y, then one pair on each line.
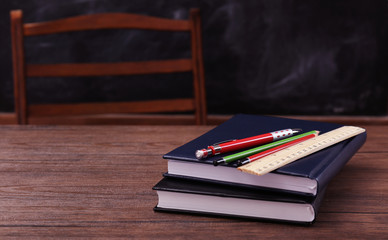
x,y
293,153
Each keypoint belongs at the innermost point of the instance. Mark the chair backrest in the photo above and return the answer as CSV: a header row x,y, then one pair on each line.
x,y
25,111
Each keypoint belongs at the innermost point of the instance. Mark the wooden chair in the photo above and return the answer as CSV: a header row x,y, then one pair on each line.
x,y
89,113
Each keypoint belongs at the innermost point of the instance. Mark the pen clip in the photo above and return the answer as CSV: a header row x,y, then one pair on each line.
x,y
225,141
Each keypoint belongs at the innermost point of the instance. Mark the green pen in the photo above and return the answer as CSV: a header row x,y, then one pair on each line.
x,y
252,151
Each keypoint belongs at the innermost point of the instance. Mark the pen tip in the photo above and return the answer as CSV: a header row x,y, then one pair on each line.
x,y
216,162
199,154
241,162
296,130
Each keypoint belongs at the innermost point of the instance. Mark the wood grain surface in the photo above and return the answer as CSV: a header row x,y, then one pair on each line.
x,y
96,182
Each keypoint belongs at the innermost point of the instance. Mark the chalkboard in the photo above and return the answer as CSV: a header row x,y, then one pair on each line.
x,y
264,57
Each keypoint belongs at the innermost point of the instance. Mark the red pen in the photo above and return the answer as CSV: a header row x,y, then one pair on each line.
x,y
238,144
275,149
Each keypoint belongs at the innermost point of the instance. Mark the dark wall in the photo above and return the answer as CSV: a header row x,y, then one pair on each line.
x,y
261,56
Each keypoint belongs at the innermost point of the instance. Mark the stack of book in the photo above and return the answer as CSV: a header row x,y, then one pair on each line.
x,y
291,193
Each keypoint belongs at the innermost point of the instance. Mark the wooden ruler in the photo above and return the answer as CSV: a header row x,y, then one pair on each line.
x,y
290,154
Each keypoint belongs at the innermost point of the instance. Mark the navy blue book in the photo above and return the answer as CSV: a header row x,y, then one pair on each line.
x,y
187,196
305,176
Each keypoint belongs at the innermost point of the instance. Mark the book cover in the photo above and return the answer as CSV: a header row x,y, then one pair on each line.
x,y
194,197
304,176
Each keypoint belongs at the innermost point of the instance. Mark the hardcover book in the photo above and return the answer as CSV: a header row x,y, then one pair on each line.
x,y
305,176
187,196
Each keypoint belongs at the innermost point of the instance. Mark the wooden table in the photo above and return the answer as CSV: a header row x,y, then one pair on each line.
x,y
95,181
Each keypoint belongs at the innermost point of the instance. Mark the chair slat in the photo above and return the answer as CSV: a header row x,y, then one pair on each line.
x,y
111,69
105,21
152,106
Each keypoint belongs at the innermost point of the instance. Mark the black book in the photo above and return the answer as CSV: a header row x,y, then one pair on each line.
x,y
196,197
305,176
